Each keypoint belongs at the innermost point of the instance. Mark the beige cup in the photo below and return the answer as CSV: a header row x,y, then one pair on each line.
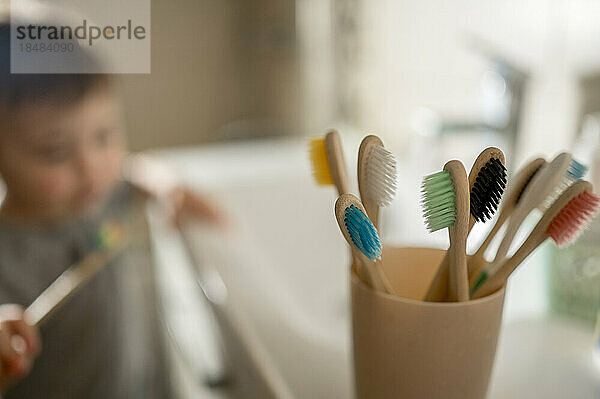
x,y
407,348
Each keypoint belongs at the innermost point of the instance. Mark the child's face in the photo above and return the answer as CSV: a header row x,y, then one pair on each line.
x,y
59,161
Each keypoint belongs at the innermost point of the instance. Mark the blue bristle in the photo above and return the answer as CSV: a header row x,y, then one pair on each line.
x,y
576,170
362,232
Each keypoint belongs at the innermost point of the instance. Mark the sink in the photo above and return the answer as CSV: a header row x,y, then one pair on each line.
x,y
283,262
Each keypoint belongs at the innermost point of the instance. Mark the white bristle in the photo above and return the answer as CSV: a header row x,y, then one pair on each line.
x,y
565,183
381,175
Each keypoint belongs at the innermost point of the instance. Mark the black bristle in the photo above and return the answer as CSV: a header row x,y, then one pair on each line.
x,y
487,190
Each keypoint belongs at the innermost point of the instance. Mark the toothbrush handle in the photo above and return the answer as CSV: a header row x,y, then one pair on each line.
x,y
477,261
438,288
374,273
499,279
76,276
387,286
371,206
337,164
57,294
458,281
514,223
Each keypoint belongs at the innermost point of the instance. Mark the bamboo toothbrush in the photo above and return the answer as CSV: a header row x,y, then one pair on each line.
x,y
363,239
446,205
328,162
545,186
377,176
575,172
110,240
477,261
563,222
487,180
329,168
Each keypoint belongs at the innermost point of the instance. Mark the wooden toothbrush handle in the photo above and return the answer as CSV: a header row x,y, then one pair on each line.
x,y
476,262
371,206
499,279
57,294
337,164
438,287
374,273
514,223
458,278
385,282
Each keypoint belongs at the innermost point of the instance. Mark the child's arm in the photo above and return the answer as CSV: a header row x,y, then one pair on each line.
x,y
160,181
19,344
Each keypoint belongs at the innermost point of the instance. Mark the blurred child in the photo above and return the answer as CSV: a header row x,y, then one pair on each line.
x,y
62,152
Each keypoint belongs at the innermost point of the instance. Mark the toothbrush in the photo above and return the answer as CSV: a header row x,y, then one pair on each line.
x,y
575,172
446,205
377,176
363,239
477,261
328,162
549,182
109,241
563,222
487,180
329,168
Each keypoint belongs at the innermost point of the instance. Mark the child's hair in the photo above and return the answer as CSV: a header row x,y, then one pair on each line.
x,y
18,89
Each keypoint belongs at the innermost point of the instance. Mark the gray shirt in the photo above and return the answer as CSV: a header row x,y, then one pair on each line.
x,y
106,342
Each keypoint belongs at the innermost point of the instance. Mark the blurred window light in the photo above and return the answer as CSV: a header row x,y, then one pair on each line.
x,y
496,99
493,84
425,122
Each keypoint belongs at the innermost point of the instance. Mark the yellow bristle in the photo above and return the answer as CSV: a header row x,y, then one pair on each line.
x,y
320,163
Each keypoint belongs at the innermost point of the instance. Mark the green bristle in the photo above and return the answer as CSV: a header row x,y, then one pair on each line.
x,y
439,201
108,235
482,278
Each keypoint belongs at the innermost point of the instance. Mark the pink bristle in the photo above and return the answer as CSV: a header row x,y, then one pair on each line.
x,y
573,218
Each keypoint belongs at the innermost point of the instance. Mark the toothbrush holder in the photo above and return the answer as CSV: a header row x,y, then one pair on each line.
x,y
406,348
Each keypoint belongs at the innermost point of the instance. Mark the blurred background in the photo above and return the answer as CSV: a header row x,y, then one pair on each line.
x,y
236,89
404,69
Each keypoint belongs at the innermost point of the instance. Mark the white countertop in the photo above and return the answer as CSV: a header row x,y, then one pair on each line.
x,y
288,276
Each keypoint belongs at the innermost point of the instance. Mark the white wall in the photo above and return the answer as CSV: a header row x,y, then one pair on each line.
x,y
416,53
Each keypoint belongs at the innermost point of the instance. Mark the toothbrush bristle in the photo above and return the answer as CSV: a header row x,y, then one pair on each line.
x,y
439,200
362,232
108,235
576,170
572,220
488,189
320,162
566,182
381,175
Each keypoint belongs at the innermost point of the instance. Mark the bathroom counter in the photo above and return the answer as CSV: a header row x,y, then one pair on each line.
x,y
549,358
284,265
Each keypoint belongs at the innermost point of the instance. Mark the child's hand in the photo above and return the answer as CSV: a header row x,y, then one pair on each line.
x,y
159,180
19,344
186,203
